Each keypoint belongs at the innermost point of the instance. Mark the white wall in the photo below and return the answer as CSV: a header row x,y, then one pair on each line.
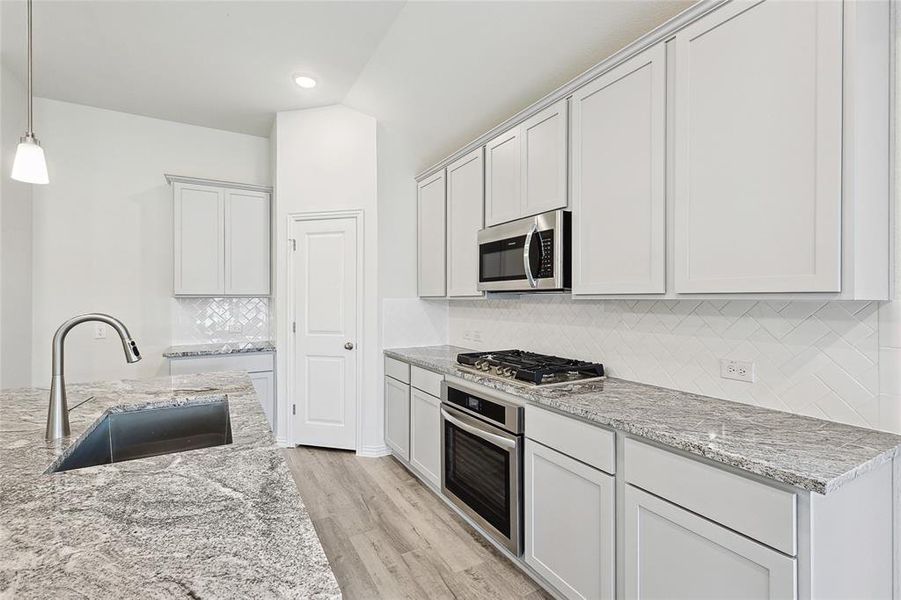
x,y
15,242
326,160
103,228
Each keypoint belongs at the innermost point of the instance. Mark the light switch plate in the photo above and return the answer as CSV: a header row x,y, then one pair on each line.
x,y
738,370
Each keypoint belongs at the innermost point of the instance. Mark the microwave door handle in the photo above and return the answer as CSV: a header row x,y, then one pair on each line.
x,y
526,263
488,437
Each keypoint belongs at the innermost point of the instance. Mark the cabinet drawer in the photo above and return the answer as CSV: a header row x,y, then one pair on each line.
x,y
592,445
397,369
764,513
250,362
426,381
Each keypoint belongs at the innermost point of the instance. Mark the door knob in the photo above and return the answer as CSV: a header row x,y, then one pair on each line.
x,y
349,346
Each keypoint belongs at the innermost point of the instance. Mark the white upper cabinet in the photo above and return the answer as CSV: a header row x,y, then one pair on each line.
x,y
247,242
431,242
503,178
465,202
199,250
741,149
525,167
221,239
544,161
618,137
758,149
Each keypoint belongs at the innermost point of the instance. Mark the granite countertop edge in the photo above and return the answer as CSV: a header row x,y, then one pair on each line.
x,y
429,357
218,349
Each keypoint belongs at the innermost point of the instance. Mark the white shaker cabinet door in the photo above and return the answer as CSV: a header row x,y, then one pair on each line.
x,y
425,435
758,149
672,553
397,417
543,139
431,236
619,179
569,523
247,243
465,208
199,217
503,178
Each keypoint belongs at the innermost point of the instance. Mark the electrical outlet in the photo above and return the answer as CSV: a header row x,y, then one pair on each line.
x,y
472,335
738,370
99,331
235,328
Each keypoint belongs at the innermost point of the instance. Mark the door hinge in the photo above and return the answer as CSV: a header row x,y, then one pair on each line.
x,y
293,409
294,245
293,326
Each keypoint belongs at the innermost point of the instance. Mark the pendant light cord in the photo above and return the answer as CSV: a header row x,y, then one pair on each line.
x,y
30,132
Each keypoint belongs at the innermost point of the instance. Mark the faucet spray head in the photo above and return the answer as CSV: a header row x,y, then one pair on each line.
x,y
132,354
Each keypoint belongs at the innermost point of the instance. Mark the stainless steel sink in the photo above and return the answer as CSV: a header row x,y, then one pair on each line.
x,y
135,434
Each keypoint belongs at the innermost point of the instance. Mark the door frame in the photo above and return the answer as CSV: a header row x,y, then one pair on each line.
x,y
360,345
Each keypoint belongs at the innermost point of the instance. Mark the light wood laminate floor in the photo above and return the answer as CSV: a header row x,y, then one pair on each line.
x,y
387,536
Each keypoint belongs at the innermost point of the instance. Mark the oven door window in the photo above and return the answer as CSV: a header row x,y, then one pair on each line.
x,y
502,260
478,473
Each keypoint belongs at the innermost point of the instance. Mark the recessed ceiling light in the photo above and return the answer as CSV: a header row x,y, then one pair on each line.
x,y
305,81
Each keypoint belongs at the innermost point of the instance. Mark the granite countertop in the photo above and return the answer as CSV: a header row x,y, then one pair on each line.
x,y
812,454
218,349
220,522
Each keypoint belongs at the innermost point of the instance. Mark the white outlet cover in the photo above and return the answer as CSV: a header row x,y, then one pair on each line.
x,y
99,331
738,370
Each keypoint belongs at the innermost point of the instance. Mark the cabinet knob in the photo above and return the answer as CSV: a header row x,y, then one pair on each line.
x,y
349,346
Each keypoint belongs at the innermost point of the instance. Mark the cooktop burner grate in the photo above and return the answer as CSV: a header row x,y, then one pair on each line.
x,y
531,367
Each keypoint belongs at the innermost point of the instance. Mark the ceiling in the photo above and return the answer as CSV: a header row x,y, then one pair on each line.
x,y
436,74
220,64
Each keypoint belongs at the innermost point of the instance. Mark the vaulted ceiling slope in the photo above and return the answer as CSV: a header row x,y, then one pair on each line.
x,y
436,73
446,72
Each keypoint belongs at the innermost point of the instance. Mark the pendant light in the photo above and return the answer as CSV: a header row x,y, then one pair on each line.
x,y
29,165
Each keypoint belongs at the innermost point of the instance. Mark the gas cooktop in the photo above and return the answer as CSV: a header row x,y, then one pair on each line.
x,y
530,367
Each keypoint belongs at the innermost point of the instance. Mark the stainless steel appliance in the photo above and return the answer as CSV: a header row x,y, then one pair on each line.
x,y
531,367
481,457
527,254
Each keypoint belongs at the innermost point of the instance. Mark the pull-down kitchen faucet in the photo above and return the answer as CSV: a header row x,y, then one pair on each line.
x,y
58,413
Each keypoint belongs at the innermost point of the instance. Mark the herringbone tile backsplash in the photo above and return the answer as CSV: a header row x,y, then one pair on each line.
x,y
212,320
813,358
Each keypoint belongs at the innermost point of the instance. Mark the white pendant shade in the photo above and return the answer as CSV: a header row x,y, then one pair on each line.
x,y
29,165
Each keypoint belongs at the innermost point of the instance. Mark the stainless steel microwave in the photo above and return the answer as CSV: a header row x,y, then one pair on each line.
x,y
531,254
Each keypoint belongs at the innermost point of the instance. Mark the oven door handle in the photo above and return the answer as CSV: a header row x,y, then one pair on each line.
x,y
488,437
526,262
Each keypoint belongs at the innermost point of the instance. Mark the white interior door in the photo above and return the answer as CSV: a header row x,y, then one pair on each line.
x,y
324,270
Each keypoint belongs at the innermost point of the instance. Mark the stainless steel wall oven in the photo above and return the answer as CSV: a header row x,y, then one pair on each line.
x,y
481,456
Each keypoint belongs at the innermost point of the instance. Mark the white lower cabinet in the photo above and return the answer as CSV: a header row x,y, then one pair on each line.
x,y
397,417
425,435
260,367
673,553
569,523
264,385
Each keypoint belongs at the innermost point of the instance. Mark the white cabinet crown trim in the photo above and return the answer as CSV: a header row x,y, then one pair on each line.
x,y
170,179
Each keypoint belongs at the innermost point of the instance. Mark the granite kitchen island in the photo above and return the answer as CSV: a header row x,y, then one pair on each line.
x,y
218,522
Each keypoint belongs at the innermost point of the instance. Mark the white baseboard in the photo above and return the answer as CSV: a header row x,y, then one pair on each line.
x,y
373,451
283,443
